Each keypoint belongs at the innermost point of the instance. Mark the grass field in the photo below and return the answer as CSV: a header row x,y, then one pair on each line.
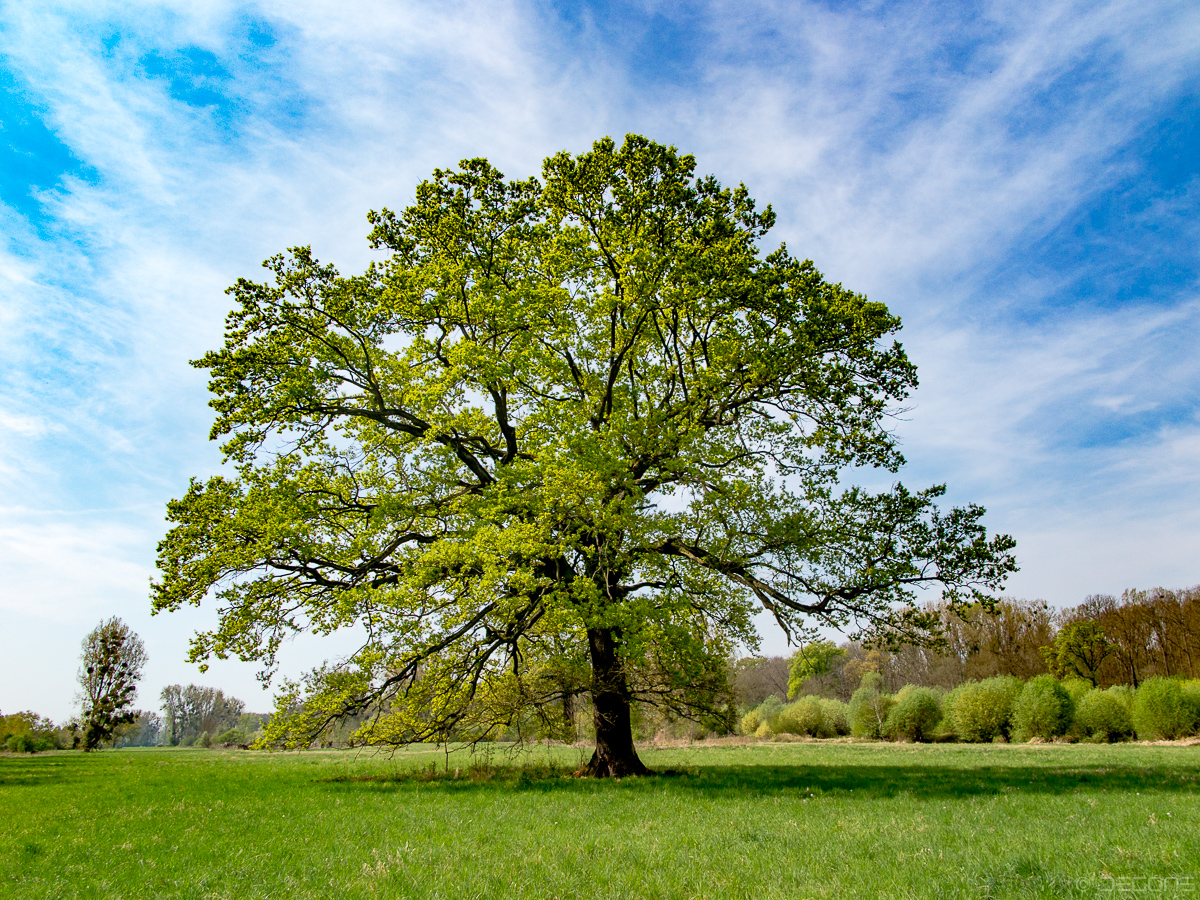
x,y
758,820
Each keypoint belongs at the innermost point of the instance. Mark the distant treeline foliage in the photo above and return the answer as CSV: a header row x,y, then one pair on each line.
x,y
144,731
1142,635
1127,666
27,732
195,715
1107,669
1153,633
192,716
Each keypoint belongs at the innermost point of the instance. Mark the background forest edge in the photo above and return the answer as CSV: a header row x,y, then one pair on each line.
x,y
1155,634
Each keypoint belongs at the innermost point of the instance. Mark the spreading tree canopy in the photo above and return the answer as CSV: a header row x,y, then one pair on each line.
x,y
565,438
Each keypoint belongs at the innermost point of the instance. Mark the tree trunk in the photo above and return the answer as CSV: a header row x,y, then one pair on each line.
x,y
615,756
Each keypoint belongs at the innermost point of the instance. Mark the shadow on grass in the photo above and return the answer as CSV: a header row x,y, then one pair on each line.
x,y
855,782
40,769
66,766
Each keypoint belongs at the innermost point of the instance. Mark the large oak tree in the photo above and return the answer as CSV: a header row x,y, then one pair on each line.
x,y
582,423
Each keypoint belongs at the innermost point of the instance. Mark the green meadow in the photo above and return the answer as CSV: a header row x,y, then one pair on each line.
x,y
761,820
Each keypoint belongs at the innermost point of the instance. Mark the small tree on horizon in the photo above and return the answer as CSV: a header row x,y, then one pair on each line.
x,y
811,660
568,436
112,663
189,710
1078,650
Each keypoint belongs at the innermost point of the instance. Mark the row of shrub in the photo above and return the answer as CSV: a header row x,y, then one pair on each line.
x,y
995,709
27,732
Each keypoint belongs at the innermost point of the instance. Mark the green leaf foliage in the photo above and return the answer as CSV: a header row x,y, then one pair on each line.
x,y
232,736
766,713
805,716
750,722
1043,710
981,711
1191,698
915,716
1104,715
1078,688
1163,710
1078,652
566,437
811,660
28,732
869,708
111,665
837,715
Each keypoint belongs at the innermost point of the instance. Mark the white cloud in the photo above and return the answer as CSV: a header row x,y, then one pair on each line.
x,y
61,567
983,386
26,426
897,197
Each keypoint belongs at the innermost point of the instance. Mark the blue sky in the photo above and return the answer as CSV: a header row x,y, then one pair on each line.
x,y
1018,181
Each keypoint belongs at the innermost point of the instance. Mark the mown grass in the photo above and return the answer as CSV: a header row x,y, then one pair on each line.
x,y
759,820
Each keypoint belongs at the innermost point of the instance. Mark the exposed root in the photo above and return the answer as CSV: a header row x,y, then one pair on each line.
x,y
608,767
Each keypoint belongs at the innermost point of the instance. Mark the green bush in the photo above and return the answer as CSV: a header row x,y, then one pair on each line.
x,y
1126,694
805,716
1104,714
32,742
1162,711
750,722
869,711
915,715
764,714
1077,688
769,708
764,731
1191,697
232,736
1043,710
27,732
837,715
204,739
20,743
981,711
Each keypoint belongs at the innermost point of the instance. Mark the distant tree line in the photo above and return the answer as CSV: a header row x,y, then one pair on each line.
x,y
1104,640
191,716
1151,633
144,731
194,714
111,664
1103,643
1019,640
1107,669
28,732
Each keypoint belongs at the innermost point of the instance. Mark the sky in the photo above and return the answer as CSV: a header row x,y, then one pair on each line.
x,y
1019,182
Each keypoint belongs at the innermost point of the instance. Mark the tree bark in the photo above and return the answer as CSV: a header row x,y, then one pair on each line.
x,y
615,756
